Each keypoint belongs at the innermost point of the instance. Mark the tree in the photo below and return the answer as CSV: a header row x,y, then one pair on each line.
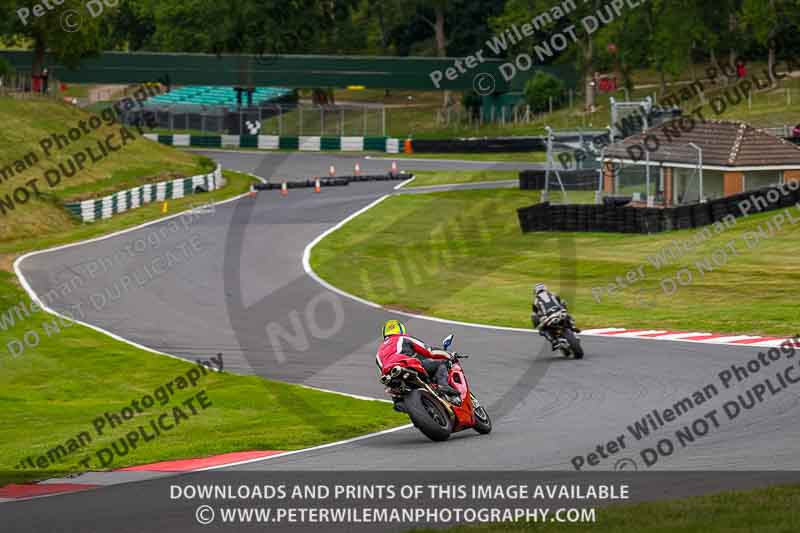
x,y
541,88
519,12
769,19
68,37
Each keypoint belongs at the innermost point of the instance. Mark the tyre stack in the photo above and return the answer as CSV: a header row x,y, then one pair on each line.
x,y
683,217
629,224
701,215
719,209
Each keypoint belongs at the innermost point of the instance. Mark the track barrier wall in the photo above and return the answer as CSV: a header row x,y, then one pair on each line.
x,y
622,219
108,206
275,142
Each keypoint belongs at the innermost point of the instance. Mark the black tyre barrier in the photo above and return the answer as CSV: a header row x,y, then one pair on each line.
x,y
330,182
573,180
524,144
623,219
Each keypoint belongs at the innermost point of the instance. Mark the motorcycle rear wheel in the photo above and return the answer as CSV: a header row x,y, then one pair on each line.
x,y
574,343
429,415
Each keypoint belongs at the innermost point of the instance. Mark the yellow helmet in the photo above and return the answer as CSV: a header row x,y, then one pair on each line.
x,y
393,327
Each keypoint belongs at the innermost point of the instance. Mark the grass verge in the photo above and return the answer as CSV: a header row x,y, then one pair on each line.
x,y
770,510
461,255
426,178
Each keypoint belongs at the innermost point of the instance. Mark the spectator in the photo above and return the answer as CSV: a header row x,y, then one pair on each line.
x,y
45,80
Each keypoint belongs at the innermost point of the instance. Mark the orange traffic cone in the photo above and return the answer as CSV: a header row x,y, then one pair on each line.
x,y
394,168
332,170
253,191
357,170
317,188
284,189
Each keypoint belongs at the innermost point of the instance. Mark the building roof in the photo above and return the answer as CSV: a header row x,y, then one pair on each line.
x,y
724,144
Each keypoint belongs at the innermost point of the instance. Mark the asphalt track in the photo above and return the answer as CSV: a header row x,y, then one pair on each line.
x,y
247,295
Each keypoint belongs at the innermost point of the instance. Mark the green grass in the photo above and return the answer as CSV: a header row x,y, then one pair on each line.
x,y
770,510
27,122
425,178
460,255
51,393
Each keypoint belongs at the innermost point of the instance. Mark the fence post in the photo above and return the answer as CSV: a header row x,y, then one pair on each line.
x,y
365,122
321,121
280,120
383,112
300,120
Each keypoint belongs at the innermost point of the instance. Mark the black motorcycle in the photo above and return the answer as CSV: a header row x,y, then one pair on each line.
x,y
561,326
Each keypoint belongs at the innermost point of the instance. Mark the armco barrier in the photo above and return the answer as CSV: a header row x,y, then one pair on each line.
x,y
274,142
108,206
573,180
623,219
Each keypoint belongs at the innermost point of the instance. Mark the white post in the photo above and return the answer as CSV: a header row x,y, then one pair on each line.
x,y
601,171
700,167
647,180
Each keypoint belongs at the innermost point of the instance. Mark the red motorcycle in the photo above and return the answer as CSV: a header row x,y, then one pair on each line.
x,y
435,414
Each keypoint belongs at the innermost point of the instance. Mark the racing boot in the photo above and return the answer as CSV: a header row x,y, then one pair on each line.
x,y
441,380
553,341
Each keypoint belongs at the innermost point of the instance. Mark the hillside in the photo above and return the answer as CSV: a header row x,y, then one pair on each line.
x,y
66,153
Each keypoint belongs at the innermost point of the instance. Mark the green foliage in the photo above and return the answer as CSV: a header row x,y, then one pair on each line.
x,y
5,68
541,88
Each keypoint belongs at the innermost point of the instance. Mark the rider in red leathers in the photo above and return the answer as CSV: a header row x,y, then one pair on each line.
x,y
397,346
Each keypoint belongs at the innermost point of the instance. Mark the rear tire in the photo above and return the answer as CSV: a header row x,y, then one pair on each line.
x,y
429,415
483,424
574,344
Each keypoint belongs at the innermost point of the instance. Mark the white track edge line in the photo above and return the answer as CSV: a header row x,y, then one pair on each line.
x,y
304,450
403,184
318,279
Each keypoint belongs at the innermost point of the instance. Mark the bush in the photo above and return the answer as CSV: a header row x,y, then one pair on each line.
x,y
541,88
5,68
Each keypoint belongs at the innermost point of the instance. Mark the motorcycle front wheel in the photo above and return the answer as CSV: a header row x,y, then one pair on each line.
x,y
429,415
483,424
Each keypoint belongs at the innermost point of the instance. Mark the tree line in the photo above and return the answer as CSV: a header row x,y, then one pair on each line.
x,y
667,36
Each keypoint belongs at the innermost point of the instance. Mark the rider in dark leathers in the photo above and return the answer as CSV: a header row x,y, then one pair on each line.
x,y
545,303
